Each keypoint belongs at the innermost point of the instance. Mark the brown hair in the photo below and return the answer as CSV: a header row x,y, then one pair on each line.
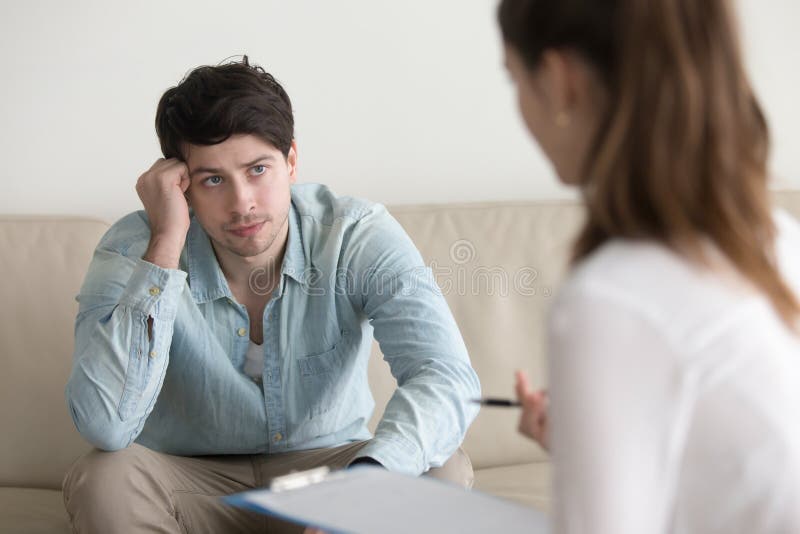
x,y
213,103
680,154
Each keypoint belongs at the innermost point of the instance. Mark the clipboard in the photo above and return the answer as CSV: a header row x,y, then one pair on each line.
x,y
368,499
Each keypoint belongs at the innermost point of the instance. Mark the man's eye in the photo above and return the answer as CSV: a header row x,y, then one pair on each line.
x,y
213,181
259,169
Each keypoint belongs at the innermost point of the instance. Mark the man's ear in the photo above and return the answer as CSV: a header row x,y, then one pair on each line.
x,y
291,162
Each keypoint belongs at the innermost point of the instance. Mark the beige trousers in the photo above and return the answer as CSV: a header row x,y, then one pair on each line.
x,y
141,490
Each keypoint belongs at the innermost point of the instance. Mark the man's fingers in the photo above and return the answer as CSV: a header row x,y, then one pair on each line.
x,y
171,165
185,183
160,163
166,172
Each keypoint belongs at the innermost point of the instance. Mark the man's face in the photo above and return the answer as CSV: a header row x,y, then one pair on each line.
x,y
240,193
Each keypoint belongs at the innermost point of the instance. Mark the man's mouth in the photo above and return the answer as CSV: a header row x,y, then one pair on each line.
x,y
246,231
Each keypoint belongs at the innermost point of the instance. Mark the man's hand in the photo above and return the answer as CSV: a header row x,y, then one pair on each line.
x,y
365,460
161,190
533,421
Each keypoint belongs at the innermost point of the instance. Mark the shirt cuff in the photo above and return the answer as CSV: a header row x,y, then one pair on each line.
x,y
395,454
154,290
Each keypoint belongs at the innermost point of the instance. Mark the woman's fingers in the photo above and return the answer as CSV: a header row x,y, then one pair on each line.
x,y
522,386
533,419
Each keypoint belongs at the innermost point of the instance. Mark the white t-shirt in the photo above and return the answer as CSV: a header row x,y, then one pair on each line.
x,y
675,397
254,361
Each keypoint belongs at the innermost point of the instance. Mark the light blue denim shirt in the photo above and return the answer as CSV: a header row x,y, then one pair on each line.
x,y
349,271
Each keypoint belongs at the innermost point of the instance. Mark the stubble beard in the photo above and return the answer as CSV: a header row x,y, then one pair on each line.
x,y
248,252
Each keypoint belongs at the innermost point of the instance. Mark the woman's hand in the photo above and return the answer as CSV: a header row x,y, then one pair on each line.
x,y
533,421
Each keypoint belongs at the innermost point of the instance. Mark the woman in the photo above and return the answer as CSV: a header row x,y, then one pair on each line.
x,y
675,343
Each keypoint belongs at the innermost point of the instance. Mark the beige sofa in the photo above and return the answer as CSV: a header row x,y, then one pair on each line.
x,y
498,264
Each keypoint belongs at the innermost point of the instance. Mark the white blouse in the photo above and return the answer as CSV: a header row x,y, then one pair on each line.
x,y
675,397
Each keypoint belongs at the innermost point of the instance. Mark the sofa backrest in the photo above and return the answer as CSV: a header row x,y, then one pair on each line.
x,y
42,266
788,200
498,265
504,242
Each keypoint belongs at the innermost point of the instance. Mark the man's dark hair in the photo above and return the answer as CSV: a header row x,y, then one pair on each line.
x,y
213,103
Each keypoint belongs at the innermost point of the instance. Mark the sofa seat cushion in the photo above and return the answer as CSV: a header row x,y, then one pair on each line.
x,y
528,483
32,511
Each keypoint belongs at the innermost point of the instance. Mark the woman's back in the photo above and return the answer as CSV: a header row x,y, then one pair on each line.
x,y
675,394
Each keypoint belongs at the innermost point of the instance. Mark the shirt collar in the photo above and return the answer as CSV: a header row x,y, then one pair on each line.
x,y
294,259
206,280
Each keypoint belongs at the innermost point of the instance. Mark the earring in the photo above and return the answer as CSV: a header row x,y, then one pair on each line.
x,y
563,119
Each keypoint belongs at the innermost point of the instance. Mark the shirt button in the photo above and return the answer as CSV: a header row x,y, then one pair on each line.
x,y
277,437
153,354
242,332
155,291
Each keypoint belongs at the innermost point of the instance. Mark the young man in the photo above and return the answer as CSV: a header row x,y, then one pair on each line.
x,y
224,332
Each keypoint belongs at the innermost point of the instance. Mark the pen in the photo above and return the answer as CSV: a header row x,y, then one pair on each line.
x,y
493,401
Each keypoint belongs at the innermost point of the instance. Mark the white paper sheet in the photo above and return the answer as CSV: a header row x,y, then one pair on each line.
x,y
372,500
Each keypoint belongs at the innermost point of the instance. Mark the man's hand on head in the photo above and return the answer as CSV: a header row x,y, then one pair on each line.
x,y
162,191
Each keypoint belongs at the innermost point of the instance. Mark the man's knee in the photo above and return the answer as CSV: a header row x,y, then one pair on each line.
x,y
100,484
457,469
99,472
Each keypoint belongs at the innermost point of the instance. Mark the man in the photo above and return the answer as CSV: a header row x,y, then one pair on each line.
x,y
224,332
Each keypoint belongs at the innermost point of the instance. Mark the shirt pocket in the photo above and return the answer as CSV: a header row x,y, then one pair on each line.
x,y
320,378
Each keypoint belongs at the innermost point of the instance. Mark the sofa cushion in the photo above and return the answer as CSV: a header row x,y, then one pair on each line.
x,y
32,511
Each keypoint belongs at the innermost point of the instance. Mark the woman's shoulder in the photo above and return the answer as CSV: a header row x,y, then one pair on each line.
x,y
682,295
645,266
656,284
629,269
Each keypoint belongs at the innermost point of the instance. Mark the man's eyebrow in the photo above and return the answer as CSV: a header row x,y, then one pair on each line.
x,y
265,157
213,170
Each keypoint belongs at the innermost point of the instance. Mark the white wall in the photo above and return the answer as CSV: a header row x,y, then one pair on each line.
x,y
400,102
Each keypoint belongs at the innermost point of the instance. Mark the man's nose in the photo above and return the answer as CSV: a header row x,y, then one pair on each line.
x,y
242,199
